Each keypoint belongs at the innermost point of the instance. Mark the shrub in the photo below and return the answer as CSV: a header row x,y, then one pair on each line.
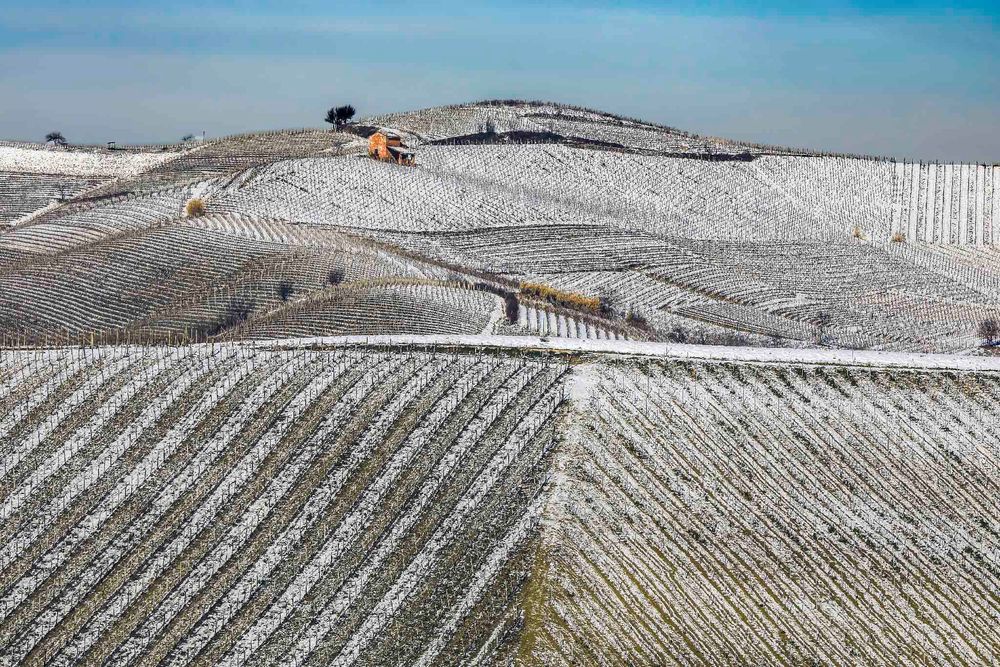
x,y
636,320
236,314
734,339
285,290
989,331
488,128
898,237
561,298
482,287
335,276
677,335
195,207
55,138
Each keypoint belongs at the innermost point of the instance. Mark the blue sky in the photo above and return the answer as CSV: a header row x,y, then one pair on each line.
x,y
917,81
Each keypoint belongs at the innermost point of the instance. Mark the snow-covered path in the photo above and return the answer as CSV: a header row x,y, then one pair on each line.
x,y
779,355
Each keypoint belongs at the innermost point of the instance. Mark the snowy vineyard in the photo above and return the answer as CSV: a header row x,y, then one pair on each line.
x,y
638,179
193,471
24,194
289,505
788,248
461,188
54,231
443,124
223,158
381,310
720,513
230,505
130,270
35,179
905,296
182,279
770,199
955,204
773,198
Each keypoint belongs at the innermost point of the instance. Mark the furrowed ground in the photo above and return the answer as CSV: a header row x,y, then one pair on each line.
x,y
225,505
295,504
723,513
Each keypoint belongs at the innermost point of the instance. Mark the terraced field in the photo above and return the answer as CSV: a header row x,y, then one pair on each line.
x,y
459,188
227,157
363,309
956,204
768,199
896,297
287,504
35,179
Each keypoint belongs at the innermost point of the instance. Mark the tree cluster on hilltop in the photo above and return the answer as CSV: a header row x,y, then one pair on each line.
x,y
340,116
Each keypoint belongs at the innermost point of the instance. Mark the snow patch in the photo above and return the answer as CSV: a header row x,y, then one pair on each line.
x,y
77,163
581,383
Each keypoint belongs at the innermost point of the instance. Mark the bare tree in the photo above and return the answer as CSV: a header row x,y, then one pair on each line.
x,y
511,307
989,331
822,322
55,138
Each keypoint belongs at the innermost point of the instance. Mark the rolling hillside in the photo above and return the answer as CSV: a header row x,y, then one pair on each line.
x,y
576,389
680,237
35,179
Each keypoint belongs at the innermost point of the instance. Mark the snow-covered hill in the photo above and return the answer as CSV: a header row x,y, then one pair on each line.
x,y
679,237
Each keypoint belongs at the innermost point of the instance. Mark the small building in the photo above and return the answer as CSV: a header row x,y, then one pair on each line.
x,y
387,146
